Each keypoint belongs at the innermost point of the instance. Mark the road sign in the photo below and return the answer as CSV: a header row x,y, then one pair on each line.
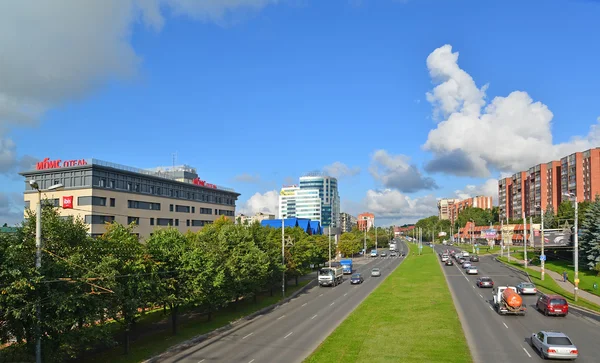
x,y
542,257
477,250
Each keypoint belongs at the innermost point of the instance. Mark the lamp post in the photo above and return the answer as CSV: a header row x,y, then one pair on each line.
x,y
329,232
38,262
472,234
573,197
543,259
375,233
524,236
283,256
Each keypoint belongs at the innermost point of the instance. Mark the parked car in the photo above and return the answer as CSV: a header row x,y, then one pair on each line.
x,y
449,262
554,345
474,258
552,305
526,288
472,270
375,272
485,282
356,279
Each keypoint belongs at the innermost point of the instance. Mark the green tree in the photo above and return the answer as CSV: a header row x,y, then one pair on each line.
x,y
482,217
549,218
590,236
348,244
565,213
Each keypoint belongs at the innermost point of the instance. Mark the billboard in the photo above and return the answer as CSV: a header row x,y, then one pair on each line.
x,y
553,238
490,233
441,234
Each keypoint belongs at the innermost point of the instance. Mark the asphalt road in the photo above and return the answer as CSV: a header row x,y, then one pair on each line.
x,y
292,331
497,338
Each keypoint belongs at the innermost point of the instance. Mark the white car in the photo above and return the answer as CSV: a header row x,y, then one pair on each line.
x,y
472,270
466,265
445,258
526,288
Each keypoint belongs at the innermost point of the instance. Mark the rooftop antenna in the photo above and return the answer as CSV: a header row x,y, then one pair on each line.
x,y
174,159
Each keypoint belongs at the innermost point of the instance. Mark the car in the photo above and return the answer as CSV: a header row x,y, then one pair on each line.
x,y
526,288
466,264
393,254
382,254
445,258
554,345
472,270
356,279
402,254
373,253
552,305
461,260
474,258
375,272
449,262
485,282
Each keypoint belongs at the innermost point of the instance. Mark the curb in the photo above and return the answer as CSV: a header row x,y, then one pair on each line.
x,y
178,348
514,269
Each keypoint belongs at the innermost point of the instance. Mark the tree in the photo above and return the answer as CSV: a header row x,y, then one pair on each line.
x,y
590,237
565,213
166,248
482,217
348,244
549,218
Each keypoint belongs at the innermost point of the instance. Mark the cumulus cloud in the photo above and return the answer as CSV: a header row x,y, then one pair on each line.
x,y
247,178
57,51
507,134
11,208
265,203
489,189
395,171
340,170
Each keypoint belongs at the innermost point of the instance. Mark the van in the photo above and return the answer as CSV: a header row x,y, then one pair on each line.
x,y
553,305
465,254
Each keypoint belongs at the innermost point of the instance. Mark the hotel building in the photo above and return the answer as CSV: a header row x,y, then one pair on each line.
x,y
101,192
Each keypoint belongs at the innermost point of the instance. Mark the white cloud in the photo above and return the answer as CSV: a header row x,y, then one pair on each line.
x,y
489,189
508,134
340,170
395,171
266,203
11,208
58,51
247,178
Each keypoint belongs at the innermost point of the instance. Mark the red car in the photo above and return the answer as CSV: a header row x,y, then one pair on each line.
x,y
553,305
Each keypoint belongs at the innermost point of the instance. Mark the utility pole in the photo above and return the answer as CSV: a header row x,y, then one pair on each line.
x,y
329,232
375,232
524,236
365,255
38,266
576,250
531,242
283,256
542,235
501,238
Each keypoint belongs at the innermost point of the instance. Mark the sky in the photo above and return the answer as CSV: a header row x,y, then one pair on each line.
x,y
404,101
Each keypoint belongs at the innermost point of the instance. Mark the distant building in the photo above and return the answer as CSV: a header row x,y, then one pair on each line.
x,y
258,217
444,206
479,201
401,231
347,222
310,227
329,194
365,221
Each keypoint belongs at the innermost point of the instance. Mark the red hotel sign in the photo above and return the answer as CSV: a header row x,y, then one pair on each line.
x,y
203,183
55,164
68,202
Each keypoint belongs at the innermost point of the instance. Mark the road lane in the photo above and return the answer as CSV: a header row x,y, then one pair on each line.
x,y
291,332
511,333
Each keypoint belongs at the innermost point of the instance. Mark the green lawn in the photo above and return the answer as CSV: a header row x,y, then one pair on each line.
x,y
410,317
549,286
161,341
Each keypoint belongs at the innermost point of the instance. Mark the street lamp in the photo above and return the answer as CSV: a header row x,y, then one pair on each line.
x,y
472,233
283,256
573,197
542,255
524,235
38,261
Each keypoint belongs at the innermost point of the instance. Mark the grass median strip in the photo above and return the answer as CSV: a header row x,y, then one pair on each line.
x,y
410,317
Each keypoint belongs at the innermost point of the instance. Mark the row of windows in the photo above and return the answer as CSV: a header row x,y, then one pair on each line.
x,y
101,219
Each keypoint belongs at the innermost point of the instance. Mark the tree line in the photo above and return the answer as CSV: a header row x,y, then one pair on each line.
x,y
353,242
86,284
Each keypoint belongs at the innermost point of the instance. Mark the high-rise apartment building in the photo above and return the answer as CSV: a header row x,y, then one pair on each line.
x,y
329,194
479,201
347,222
365,220
505,197
545,184
445,206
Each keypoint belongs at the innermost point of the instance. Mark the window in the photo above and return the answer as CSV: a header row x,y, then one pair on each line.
x,y
164,222
27,204
135,220
98,219
137,187
135,204
205,210
128,186
112,202
91,201
177,223
151,221
182,208
111,184
187,223
151,189
198,223
170,207
102,183
193,209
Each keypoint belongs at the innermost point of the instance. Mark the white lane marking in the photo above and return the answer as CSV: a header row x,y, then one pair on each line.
x,y
526,352
200,361
466,278
281,317
481,296
251,361
491,308
345,294
332,303
248,335
303,305
506,326
473,286
320,295
285,337
313,317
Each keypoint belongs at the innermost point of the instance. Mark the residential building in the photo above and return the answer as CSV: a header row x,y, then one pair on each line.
x,y
365,220
519,196
537,189
257,217
479,201
504,197
554,190
329,214
99,192
347,221
444,206
401,231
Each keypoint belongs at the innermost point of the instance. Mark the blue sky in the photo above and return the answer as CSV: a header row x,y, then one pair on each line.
x,y
257,93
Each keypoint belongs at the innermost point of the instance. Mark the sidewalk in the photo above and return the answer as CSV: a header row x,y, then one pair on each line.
x,y
568,286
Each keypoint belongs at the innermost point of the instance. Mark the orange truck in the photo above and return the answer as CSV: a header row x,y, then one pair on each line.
x,y
507,301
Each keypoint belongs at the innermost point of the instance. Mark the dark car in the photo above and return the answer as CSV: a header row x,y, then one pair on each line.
x,y
553,305
485,282
356,279
449,262
474,258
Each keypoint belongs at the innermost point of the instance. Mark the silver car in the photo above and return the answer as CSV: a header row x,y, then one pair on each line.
x,y
526,288
375,272
466,265
554,345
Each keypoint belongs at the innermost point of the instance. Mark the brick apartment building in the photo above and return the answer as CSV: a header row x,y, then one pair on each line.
x,y
543,185
365,220
444,206
458,206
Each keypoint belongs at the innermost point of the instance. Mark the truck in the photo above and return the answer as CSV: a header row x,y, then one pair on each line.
x,y
330,276
346,266
393,247
507,301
